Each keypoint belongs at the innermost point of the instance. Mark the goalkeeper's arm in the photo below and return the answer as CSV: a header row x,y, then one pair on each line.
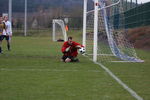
x,y
78,46
65,49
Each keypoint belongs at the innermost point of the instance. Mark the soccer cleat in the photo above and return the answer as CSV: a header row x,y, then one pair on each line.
x,y
1,52
75,60
9,49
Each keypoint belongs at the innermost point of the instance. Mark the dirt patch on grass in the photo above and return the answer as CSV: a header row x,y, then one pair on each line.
x,y
140,37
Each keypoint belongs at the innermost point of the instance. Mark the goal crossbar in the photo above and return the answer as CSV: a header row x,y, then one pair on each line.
x,y
105,7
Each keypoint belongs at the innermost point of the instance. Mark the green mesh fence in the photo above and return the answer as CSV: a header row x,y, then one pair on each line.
x,y
135,17
138,16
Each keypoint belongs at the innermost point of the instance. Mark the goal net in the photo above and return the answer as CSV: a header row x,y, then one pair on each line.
x,y
111,40
59,31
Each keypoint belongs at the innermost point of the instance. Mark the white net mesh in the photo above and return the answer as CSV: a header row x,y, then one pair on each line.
x,y
89,34
113,44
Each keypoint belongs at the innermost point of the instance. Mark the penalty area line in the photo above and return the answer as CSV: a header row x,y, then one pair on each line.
x,y
23,69
132,92
48,70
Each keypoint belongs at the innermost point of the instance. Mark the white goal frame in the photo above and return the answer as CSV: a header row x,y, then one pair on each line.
x,y
95,30
61,23
96,9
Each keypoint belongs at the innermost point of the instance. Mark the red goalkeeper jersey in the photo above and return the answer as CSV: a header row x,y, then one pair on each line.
x,y
73,51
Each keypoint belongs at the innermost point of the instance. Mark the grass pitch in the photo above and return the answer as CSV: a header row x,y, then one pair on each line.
x,y
32,71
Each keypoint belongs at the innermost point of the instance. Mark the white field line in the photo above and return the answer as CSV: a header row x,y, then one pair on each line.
x,y
132,92
48,70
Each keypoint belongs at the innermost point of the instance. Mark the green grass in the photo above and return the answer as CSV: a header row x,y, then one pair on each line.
x,y
32,71
135,75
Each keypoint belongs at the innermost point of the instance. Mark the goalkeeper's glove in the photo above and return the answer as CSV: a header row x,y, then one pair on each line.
x,y
67,49
78,46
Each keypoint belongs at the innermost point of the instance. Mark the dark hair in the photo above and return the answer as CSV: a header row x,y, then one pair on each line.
x,y
69,38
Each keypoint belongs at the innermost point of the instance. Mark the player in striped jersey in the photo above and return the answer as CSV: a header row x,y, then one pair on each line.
x,y
2,29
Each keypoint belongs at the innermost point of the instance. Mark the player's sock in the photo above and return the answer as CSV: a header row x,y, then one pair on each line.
x,y
0,49
8,46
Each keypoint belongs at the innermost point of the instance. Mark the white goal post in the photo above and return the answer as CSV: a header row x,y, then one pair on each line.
x,y
59,31
104,31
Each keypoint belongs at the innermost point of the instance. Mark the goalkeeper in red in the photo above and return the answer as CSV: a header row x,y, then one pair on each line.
x,y
70,51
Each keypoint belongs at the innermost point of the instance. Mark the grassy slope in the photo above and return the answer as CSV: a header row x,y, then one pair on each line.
x,y
140,37
24,78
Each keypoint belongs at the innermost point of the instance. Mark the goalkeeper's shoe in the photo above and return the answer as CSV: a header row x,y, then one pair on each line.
x,y
75,60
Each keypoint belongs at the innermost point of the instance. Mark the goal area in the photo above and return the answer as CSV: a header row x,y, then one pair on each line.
x,y
104,34
59,31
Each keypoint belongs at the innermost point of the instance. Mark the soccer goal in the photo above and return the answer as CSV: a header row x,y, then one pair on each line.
x,y
59,31
104,34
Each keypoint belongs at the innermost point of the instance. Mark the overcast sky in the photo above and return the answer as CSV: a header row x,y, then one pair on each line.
x,y
141,1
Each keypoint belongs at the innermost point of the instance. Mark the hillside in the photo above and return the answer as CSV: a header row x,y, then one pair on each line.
x,y
140,37
33,5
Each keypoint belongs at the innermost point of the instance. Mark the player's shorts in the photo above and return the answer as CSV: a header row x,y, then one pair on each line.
x,y
6,37
73,59
65,57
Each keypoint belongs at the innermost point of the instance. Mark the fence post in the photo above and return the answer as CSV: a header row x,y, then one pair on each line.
x,y
130,4
10,10
136,3
25,19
